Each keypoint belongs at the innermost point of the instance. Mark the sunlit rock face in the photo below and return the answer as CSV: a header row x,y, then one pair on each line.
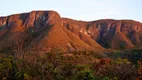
x,y
109,33
48,31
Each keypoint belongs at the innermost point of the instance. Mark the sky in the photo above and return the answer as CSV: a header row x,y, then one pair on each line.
x,y
87,10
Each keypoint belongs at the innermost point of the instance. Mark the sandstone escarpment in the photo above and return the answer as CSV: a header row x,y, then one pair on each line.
x,y
109,33
48,31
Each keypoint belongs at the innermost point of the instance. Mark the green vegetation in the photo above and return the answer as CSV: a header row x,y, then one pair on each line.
x,y
82,65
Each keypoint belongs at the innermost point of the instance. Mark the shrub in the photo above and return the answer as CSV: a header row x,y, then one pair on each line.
x,y
86,74
120,69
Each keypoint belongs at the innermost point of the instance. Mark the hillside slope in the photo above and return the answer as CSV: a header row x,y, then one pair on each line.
x,y
47,31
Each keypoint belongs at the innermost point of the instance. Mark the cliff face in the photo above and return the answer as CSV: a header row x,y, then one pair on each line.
x,y
47,31
108,33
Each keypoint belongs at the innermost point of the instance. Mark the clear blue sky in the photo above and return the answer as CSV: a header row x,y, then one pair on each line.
x,y
78,9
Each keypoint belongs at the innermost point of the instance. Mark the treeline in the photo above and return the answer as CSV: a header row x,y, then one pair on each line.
x,y
81,65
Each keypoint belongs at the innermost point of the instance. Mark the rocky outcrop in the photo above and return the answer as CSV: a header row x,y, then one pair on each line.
x,y
109,33
48,31
42,30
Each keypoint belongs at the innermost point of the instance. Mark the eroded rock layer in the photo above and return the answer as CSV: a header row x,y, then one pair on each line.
x,y
48,31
